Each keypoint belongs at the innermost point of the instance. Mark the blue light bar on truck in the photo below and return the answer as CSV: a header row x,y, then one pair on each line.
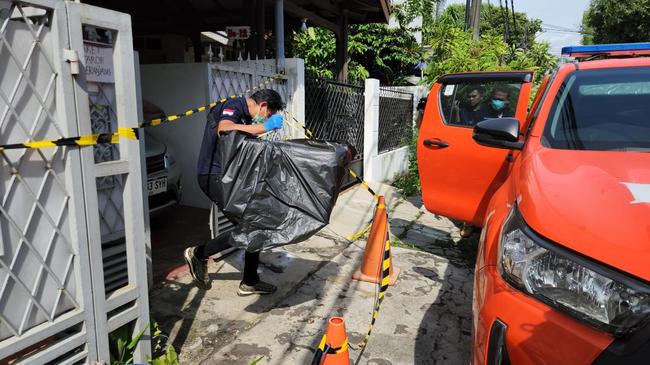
x,y
618,49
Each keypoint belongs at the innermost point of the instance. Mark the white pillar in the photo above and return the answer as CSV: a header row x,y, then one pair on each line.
x,y
295,71
371,130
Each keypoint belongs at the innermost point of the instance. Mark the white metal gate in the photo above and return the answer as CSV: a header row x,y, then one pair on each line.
x,y
59,205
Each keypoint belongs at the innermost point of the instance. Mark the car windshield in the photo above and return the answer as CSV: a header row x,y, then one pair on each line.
x,y
603,109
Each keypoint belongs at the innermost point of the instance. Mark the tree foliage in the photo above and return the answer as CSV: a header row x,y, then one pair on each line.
x,y
520,34
407,11
615,21
390,54
453,50
374,50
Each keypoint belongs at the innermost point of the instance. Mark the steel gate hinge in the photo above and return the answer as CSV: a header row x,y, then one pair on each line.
x,y
71,56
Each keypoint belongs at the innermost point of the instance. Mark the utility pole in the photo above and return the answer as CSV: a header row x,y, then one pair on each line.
x,y
468,12
475,19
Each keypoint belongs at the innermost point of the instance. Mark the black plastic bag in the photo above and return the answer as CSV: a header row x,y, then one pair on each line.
x,y
279,192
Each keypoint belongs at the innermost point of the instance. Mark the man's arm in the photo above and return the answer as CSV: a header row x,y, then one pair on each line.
x,y
228,125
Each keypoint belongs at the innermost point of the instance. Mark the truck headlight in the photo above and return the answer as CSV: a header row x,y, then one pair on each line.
x,y
587,290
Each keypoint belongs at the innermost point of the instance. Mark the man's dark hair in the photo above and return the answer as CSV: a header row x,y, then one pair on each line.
x,y
479,89
502,89
271,97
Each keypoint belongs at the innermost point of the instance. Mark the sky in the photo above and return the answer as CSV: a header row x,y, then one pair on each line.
x,y
554,13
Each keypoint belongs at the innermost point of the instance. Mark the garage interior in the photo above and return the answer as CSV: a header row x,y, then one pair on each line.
x,y
174,39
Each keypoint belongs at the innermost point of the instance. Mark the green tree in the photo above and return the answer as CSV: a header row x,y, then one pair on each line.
x,y
615,21
374,50
453,50
407,11
493,22
317,46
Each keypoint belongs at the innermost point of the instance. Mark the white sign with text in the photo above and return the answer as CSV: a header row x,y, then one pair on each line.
x,y
98,63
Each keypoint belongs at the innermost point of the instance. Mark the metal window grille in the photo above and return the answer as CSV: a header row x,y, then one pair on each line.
x,y
395,118
335,111
110,189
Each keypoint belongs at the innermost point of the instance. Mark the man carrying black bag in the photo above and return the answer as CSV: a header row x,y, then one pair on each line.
x,y
254,115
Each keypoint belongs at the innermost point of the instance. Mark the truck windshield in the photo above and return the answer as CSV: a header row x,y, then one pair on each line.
x,y
603,109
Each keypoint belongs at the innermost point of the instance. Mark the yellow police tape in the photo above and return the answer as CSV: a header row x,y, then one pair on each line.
x,y
129,133
87,140
383,287
323,348
173,117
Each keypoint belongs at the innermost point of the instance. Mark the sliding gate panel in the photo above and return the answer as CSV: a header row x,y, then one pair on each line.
x,y
72,254
106,101
46,312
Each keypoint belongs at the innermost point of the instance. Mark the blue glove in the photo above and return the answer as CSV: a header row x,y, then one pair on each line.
x,y
274,122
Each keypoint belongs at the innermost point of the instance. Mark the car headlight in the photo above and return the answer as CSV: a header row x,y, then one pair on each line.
x,y
587,290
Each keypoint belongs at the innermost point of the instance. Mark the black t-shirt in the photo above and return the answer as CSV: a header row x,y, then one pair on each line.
x,y
490,112
235,110
471,117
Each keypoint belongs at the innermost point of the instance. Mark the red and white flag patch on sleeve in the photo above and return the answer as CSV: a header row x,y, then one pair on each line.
x,y
228,112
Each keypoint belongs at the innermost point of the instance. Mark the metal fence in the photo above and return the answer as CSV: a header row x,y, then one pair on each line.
x,y
334,111
395,118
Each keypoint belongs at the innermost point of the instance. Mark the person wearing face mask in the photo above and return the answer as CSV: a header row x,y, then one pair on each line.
x,y
254,115
498,104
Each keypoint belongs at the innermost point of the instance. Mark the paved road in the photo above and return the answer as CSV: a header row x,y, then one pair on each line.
x,y
425,319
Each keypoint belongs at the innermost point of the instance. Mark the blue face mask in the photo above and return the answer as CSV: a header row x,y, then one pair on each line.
x,y
498,104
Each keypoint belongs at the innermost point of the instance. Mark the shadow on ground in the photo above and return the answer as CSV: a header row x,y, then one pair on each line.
x,y
189,300
436,241
443,333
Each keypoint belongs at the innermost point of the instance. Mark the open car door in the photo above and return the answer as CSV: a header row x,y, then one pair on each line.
x,y
458,175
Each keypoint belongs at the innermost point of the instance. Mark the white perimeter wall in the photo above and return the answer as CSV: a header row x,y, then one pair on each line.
x,y
382,167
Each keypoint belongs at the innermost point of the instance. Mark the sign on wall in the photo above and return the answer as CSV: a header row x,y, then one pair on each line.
x,y
242,32
98,63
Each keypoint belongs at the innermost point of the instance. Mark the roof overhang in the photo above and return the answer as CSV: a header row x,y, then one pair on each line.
x,y
183,16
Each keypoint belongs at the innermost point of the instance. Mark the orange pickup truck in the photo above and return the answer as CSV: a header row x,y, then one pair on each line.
x,y
562,193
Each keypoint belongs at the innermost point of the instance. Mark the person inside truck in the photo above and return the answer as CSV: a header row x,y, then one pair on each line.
x,y
498,105
471,112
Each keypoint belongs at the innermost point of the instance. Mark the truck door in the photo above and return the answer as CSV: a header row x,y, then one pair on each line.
x,y
458,176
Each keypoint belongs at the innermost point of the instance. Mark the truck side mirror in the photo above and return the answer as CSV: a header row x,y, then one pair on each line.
x,y
499,133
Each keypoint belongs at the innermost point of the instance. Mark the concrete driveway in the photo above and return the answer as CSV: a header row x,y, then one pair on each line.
x,y
425,318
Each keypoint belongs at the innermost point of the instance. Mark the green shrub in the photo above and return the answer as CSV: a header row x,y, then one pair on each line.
x,y
408,183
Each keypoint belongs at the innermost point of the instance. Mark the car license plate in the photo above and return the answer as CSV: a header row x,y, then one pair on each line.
x,y
156,186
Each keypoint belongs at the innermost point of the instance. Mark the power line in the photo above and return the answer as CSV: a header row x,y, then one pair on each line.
x,y
556,27
552,30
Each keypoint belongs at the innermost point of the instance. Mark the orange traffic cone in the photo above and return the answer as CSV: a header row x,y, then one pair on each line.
x,y
373,257
333,349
